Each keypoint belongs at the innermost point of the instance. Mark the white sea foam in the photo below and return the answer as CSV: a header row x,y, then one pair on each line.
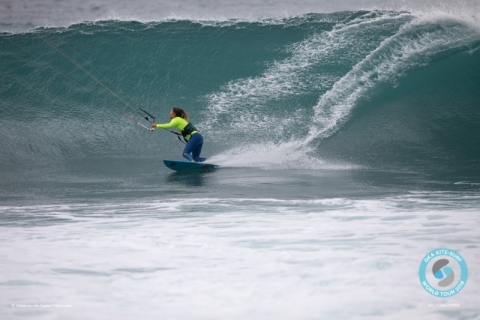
x,y
275,156
205,258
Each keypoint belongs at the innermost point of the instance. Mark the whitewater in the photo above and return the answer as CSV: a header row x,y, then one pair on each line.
x,y
347,139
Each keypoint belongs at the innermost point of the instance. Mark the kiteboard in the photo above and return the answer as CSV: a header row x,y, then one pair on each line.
x,y
182,165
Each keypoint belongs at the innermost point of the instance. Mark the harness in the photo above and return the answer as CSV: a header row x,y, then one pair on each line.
x,y
189,128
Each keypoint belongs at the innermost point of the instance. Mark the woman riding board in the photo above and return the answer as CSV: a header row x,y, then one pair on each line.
x,y
192,137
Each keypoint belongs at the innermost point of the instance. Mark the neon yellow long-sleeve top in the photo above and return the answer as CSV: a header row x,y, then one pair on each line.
x,y
177,122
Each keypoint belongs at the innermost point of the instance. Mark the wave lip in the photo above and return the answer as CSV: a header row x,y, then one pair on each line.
x,y
53,13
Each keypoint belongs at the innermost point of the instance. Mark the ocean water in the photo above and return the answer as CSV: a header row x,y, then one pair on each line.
x,y
347,137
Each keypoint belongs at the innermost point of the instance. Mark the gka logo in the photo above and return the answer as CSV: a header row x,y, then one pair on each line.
x,y
438,271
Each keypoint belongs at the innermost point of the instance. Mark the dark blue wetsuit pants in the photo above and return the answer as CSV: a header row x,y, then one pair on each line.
x,y
194,147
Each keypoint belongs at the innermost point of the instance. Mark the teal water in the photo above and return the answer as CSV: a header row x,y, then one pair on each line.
x,y
375,89
347,144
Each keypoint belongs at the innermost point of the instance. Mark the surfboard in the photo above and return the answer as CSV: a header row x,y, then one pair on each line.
x,y
182,165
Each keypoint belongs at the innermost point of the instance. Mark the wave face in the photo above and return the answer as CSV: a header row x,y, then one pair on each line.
x,y
375,89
